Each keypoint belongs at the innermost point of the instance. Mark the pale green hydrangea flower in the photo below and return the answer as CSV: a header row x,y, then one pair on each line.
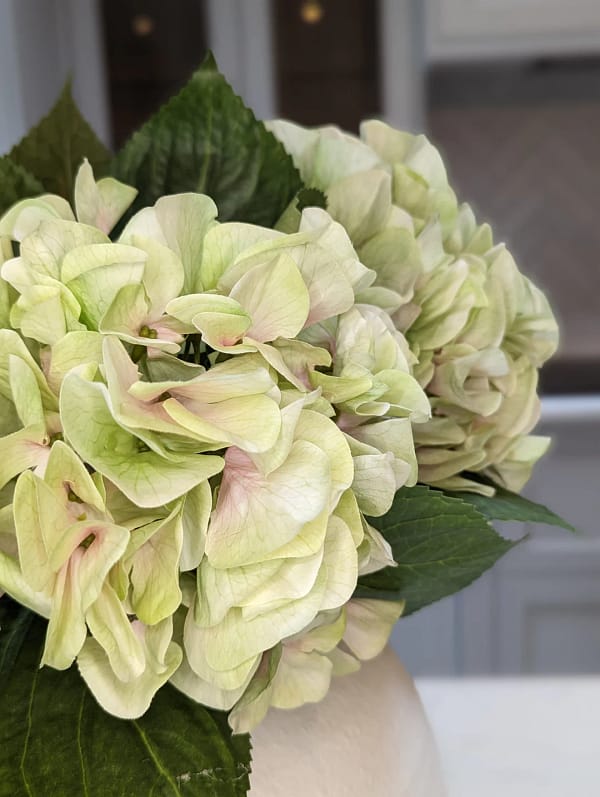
x,y
194,420
478,330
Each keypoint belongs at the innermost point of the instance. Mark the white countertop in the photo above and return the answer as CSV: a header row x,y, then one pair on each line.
x,y
516,737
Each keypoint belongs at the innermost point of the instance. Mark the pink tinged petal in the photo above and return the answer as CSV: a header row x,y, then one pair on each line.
x,y
122,374
66,472
234,378
66,628
256,514
22,450
101,545
101,203
276,360
145,477
275,297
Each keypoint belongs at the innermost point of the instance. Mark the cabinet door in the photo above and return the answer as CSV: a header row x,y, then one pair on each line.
x,y
481,28
152,48
327,60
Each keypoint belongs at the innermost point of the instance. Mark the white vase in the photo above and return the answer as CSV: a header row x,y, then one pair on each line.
x,y
368,738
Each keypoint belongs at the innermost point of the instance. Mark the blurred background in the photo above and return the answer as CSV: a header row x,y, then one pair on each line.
x,y
509,90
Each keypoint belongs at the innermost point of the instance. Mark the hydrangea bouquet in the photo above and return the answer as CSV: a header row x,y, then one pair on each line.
x,y
262,390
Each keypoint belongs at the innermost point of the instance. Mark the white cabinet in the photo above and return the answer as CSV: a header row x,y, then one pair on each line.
x,y
460,29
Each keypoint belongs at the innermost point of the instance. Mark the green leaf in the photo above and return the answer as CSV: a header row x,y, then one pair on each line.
x,y
15,621
513,507
441,545
16,183
206,140
55,148
56,740
311,198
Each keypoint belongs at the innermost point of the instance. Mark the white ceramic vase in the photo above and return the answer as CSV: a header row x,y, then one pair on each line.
x,y
368,738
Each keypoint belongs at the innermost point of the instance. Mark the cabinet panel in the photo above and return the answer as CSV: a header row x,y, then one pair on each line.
x,y
463,28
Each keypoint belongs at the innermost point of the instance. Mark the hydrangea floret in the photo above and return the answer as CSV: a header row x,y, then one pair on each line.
x,y
197,417
477,329
263,390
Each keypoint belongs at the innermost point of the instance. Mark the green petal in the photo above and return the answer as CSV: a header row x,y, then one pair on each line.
x,y
256,515
180,222
145,477
130,699
195,516
223,245
100,204
71,351
46,313
96,273
369,624
110,626
22,450
155,569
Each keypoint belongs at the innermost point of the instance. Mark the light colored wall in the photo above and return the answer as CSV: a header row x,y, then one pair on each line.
x,y
41,44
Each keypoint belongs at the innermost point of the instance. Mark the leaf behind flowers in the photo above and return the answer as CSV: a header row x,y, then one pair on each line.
x,y
53,150
56,740
15,621
513,507
206,140
16,183
441,545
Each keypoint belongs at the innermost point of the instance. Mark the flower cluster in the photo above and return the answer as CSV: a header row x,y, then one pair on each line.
x,y
478,330
196,417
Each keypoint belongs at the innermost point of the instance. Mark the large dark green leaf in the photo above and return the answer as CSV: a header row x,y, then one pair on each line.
x,y
15,621
206,140
16,183
56,741
513,507
55,148
441,545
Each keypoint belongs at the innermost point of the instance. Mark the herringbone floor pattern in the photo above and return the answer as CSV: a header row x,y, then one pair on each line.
x,y
534,172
